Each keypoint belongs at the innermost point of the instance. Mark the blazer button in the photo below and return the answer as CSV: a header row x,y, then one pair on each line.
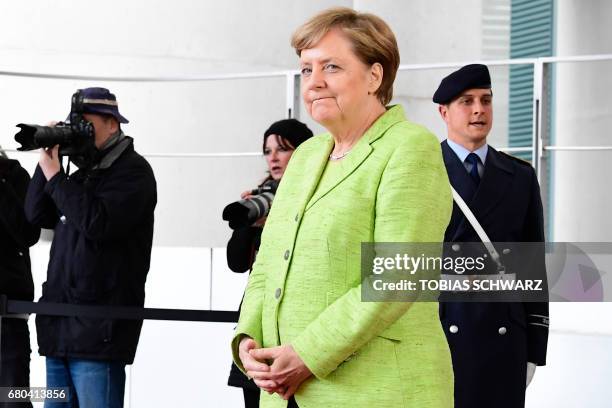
x,y
456,247
287,252
502,330
63,219
277,293
20,253
453,329
506,251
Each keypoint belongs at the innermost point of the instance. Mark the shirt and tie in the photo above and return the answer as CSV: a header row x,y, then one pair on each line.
x,y
473,162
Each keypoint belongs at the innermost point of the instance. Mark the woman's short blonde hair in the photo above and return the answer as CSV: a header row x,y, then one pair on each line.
x,y
372,40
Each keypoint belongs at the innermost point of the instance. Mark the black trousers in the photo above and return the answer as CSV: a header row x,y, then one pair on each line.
x,y
14,357
251,399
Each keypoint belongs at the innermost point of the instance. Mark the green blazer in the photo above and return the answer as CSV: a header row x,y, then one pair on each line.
x,y
305,288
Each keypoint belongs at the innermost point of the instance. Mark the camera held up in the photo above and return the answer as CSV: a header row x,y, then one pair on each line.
x,y
74,139
244,213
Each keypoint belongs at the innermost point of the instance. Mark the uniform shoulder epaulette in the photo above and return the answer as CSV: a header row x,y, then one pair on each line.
x,y
516,159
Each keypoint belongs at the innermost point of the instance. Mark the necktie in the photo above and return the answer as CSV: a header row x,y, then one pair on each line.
x,y
473,159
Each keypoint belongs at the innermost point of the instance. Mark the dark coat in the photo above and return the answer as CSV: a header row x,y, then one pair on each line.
x,y
103,222
17,235
242,248
494,341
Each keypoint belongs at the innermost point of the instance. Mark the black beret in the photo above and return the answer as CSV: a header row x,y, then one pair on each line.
x,y
467,77
292,130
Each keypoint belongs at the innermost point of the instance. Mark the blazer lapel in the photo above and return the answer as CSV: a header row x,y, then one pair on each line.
x,y
498,173
462,183
348,165
457,174
317,160
360,151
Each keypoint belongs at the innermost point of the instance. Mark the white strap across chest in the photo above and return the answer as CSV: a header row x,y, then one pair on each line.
x,y
469,215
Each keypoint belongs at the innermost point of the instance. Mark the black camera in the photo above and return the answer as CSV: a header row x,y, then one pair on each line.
x,y
244,213
76,138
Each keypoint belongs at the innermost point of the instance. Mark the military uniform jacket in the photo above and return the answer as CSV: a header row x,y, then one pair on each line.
x,y
491,343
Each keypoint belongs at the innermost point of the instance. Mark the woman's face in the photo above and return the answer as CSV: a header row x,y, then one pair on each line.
x,y
277,156
335,82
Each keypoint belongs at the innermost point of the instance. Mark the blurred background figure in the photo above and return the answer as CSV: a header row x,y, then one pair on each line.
x,y
279,143
17,235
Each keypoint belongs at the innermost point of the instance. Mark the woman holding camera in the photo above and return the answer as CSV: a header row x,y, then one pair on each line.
x,y
305,334
279,143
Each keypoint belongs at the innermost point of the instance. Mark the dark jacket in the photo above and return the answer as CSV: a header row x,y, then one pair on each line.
x,y
100,255
242,248
17,235
493,342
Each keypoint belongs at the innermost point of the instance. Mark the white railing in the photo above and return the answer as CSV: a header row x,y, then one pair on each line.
x,y
292,78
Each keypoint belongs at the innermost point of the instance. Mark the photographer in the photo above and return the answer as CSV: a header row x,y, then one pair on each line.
x,y
280,141
103,221
16,237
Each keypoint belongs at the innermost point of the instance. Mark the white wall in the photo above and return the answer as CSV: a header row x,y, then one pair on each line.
x,y
143,38
582,117
190,37
428,33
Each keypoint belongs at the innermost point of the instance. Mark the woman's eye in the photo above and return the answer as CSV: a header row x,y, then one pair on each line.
x,y
306,71
266,152
331,67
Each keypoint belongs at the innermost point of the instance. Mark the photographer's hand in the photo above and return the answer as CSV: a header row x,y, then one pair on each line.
x,y
260,222
49,161
246,195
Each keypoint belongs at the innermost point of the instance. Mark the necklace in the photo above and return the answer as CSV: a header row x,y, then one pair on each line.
x,y
340,156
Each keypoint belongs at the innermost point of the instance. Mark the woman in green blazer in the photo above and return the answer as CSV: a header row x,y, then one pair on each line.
x,y
304,334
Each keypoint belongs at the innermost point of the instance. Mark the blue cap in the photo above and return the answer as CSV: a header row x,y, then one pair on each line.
x,y
467,77
102,102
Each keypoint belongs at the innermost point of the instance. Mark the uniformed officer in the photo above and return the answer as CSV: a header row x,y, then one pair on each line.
x,y
495,346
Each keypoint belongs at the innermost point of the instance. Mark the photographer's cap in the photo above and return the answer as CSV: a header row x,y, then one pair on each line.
x,y
102,102
467,77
